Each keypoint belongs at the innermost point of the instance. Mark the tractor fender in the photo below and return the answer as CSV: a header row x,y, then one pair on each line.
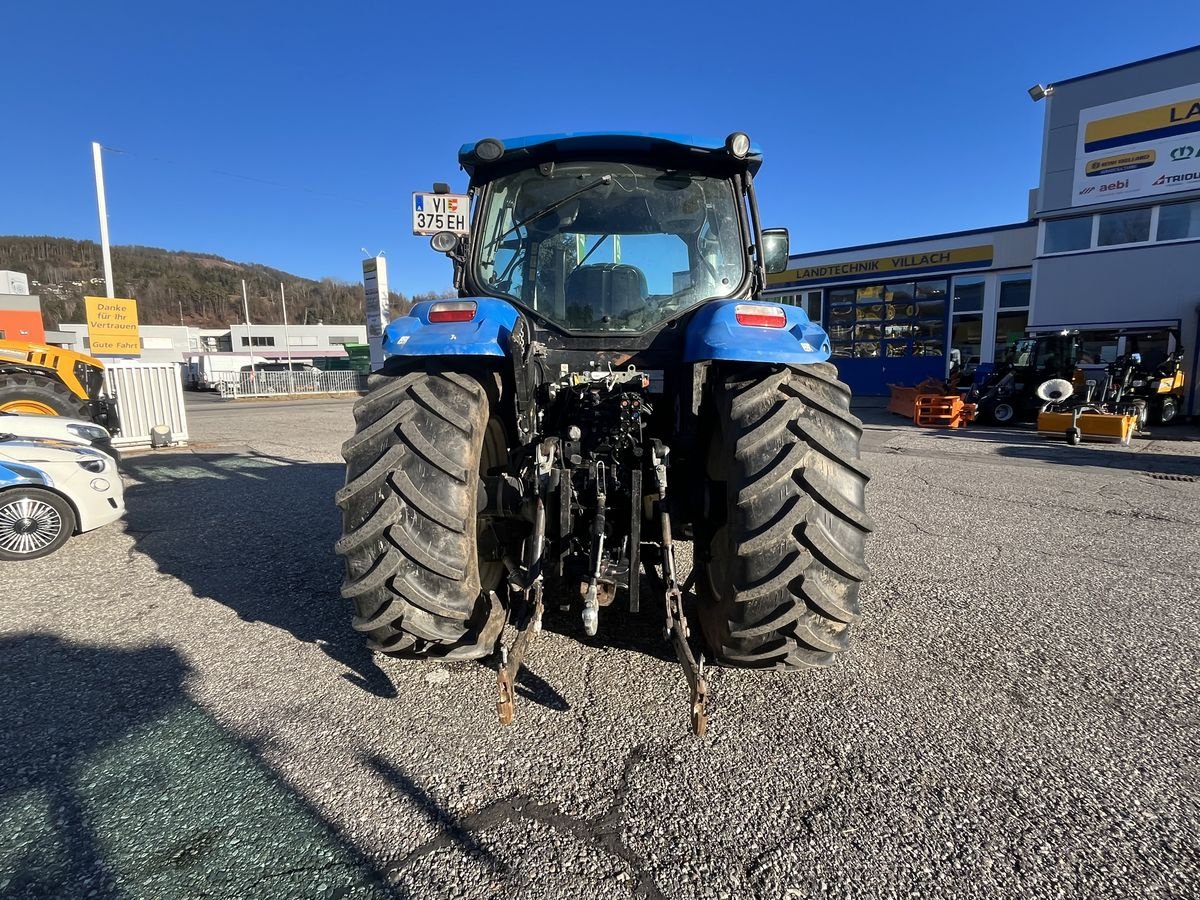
x,y
484,335
714,333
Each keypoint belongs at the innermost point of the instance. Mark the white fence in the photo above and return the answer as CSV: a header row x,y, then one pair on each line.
x,y
273,384
148,394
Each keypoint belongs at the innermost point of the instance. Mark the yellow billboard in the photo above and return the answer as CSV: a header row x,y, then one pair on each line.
x,y
979,257
112,327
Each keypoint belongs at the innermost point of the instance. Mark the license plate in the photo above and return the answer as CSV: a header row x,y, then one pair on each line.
x,y
441,212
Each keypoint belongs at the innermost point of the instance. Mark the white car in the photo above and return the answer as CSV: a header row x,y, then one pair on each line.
x,y
50,490
59,428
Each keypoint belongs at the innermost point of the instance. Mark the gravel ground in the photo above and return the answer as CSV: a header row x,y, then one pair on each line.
x,y
188,714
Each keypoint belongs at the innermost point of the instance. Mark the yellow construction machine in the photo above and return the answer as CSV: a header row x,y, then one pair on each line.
x,y
37,379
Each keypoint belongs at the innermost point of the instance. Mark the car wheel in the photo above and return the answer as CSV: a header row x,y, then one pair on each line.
x,y
33,523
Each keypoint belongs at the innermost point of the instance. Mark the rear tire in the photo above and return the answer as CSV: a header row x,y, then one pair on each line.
x,y
32,394
780,579
409,537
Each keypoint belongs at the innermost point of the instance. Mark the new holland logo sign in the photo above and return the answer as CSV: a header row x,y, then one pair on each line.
x,y
1141,139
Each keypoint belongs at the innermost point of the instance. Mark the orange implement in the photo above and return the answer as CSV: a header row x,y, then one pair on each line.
x,y
941,411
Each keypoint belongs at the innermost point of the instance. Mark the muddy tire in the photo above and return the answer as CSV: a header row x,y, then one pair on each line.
x,y
409,506
780,575
31,394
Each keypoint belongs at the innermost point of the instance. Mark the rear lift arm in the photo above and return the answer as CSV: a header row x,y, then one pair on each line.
x,y
527,585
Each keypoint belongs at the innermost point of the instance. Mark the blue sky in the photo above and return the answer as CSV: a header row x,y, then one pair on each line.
x,y
292,134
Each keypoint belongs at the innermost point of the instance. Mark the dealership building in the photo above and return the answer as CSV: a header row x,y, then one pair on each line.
x,y
1111,247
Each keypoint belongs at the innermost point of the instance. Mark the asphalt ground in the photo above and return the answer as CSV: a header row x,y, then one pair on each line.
x,y
186,712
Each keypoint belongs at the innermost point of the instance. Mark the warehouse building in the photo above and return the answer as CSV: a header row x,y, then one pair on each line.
x,y
176,343
1111,247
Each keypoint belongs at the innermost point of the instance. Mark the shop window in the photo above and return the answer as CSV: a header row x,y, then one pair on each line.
x,y
886,320
1010,328
1068,234
812,305
968,295
1178,221
966,339
1014,293
1126,226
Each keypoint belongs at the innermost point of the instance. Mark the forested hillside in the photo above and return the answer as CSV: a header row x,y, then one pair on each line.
x,y
198,288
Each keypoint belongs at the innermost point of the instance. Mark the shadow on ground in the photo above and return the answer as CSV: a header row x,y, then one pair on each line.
x,y
254,533
114,784
1128,459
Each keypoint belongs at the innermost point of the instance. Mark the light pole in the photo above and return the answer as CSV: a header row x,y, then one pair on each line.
x,y
287,342
249,340
100,202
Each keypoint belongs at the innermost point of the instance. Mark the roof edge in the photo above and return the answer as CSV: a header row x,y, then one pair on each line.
x,y
914,240
1128,65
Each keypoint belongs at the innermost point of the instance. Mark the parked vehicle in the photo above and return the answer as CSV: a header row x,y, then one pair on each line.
x,y
206,371
529,427
37,379
1148,385
59,428
1008,393
305,367
1158,383
50,490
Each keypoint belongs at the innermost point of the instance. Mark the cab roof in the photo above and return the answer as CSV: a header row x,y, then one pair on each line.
x,y
682,148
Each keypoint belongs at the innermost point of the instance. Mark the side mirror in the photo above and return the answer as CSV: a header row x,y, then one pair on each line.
x,y
775,249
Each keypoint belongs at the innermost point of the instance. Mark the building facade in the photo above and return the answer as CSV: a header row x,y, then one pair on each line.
x,y
1111,249
899,313
176,343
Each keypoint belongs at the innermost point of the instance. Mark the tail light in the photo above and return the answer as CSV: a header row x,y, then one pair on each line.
x,y
452,311
762,316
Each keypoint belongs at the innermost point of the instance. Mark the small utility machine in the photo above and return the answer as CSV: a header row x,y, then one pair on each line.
x,y
607,383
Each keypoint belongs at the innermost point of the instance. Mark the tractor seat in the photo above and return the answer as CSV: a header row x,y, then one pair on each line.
x,y
604,289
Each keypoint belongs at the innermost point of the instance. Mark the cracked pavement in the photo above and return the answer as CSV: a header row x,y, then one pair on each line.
x,y
188,713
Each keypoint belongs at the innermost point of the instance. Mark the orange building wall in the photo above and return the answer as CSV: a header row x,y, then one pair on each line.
x,y
22,325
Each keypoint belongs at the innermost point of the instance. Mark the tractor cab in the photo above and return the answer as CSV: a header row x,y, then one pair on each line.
x,y
613,235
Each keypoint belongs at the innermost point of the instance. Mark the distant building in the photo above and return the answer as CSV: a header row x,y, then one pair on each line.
x,y
175,343
21,318
1111,247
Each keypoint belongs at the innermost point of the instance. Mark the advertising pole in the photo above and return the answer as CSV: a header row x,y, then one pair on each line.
x,y
100,202
377,302
288,342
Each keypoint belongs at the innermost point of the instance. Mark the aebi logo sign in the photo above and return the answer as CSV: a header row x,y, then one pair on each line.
x,y
1121,184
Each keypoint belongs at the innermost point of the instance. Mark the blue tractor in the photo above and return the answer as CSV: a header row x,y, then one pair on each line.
x,y
607,382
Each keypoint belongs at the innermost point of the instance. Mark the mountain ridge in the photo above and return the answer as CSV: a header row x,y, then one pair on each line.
x,y
175,287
